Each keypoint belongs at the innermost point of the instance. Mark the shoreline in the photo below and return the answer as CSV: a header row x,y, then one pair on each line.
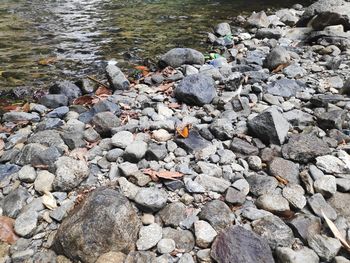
x,y
238,154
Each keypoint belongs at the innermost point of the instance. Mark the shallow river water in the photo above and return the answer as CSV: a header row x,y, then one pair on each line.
x,y
45,40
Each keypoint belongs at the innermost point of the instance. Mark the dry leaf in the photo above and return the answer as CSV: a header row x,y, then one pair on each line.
x,y
2,144
280,67
103,91
183,130
79,154
164,87
7,233
47,61
282,180
49,200
336,232
143,69
162,174
83,100
13,107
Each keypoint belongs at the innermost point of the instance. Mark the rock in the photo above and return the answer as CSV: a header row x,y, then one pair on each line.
x,y
274,230
156,152
193,143
59,112
346,88
333,119
258,20
53,101
269,126
69,173
140,257
243,147
326,185
49,138
149,236
186,258
237,245
103,123
161,135
234,196
26,223
196,89
222,29
151,199
217,213
14,116
340,202
304,148
331,164
37,155
27,174
13,203
112,223
261,184
341,259
272,202
122,139
166,245
184,239
325,247
204,233
253,213
299,118
285,87
116,77
222,129
128,169
270,33
180,56
111,257
285,169
173,213
286,254
277,56
135,151
211,183
305,226
294,71
319,204
67,88
294,193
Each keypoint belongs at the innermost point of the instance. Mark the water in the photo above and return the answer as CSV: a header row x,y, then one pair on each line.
x,y
78,35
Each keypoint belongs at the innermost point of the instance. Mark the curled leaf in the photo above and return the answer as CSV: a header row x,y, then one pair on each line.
x,y
49,200
83,100
7,233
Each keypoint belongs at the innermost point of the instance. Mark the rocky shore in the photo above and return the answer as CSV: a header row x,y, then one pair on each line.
x,y
235,156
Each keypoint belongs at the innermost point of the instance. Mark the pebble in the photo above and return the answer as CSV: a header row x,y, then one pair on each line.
x,y
165,246
205,233
149,236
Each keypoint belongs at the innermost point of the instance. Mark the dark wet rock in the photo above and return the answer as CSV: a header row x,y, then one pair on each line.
x,y
69,173
270,33
286,254
67,88
277,56
15,116
116,78
277,233
193,143
346,88
196,89
180,56
104,122
304,148
103,222
322,100
184,239
325,247
261,184
305,226
285,87
258,20
331,119
53,101
318,205
269,126
173,214
151,199
14,202
284,169
217,213
243,147
237,245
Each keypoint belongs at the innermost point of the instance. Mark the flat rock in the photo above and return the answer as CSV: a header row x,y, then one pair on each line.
x,y
180,56
53,101
151,199
149,236
217,213
341,203
325,247
258,20
14,202
135,151
104,122
261,184
284,169
193,143
319,204
331,164
211,183
15,116
286,254
122,139
285,87
272,202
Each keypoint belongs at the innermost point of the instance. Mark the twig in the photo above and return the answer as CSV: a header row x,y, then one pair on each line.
x,y
97,81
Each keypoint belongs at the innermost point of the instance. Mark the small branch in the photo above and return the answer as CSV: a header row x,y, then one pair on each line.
x,y
97,81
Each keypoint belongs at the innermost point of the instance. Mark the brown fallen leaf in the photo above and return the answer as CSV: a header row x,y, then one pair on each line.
x,y
83,100
144,70
103,91
174,105
7,233
47,61
280,67
336,232
169,175
282,180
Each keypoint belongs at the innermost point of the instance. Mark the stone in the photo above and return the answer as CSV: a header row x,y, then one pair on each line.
x,y
173,213
253,213
274,230
13,203
128,189
305,226
286,254
186,258
193,143
260,184
211,183
59,112
111,257
294,71
270,33
272,202
277,56
69,173
258,20
27,174
53,101
26,223
331,164
196,89
166,245
49,138
304,148
234,196
116,78
47,256
184,239
67,88
151,199
326,185
285,169
122,139
299,118
270,126
243,147
103,123
135,151
14,116
340,202
161,135
294,193
325,247
204,233
217,213
237,245
333,119
105,221
149,236
222,129
37,155
177,57
222,29
318,205
285,87
156,152
140,257
44,181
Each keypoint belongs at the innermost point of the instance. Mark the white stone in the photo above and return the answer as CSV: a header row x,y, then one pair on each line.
x,y
205,233
149,237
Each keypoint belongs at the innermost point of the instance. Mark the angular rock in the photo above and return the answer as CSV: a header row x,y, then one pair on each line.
x,y
204,233
222,29
105,221
217,213
180,56
27,174
149,236
325,247
104,122
318,205
285,87
243,147
326,185
193,143
122,139
305,226
286,254
135,151
341,203
67,88
184,239
173,214
277,56
234,196
258,20
151,199
273,203
196,89
14,116
14,202
285,169
211,183
294,193
331,120
331,164
26,223
261,184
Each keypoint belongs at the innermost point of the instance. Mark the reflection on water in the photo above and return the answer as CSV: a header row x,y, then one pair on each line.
x,y
82,33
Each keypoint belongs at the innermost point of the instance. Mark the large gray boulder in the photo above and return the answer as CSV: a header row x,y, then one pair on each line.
x,y
196,89
180,56
105,221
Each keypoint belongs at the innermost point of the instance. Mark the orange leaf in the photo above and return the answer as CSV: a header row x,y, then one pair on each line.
x,y
169,175
83,100
7,233
47,61
281,180
143,69
280,67
174,105
183,130
11,108
103,91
